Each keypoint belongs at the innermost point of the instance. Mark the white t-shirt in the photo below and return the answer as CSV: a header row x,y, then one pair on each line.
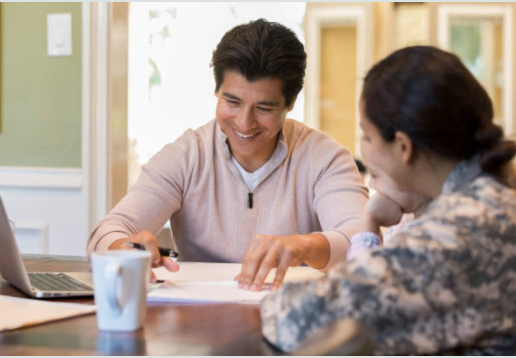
x,y
251,179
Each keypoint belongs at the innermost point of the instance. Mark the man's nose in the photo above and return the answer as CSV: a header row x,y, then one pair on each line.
x,y
245,118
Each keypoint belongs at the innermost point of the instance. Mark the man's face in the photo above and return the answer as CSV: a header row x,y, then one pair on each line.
x,y
251,114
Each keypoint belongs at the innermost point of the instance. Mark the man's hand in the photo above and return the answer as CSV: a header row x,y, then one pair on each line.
x,y
267,252
379,211
148,240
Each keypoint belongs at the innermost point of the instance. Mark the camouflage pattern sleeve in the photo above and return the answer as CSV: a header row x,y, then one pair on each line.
x,y
368,289
445,284
361,242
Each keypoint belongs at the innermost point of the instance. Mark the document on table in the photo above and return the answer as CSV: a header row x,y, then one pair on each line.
x,y
21,312
213,282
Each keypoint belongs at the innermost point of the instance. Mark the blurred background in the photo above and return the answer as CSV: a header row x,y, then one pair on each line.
x,y
90,91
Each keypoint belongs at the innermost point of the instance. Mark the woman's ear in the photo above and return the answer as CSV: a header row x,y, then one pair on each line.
x,y
404,146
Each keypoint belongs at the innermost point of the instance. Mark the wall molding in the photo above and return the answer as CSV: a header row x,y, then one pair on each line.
x,y
32,237
49,219
95,120
362,18
472,11
41,178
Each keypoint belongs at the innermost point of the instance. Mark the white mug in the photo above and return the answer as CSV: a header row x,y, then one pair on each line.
x,y
120,279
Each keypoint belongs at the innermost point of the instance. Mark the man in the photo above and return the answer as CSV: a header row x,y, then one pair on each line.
x,y
250,186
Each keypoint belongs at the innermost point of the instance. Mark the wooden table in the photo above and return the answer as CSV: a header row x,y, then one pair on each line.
x,y
170,328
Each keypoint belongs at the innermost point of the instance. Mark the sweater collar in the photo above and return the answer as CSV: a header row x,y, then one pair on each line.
x,y
281,145
277,157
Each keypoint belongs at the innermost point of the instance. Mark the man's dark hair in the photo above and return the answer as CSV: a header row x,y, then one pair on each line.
x,y
431,96
361,167
262,49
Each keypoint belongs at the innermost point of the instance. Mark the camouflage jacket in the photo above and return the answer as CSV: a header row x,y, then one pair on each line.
x,y
446,284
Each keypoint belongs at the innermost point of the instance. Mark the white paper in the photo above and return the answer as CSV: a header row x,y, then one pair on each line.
x,y
213,282
18,312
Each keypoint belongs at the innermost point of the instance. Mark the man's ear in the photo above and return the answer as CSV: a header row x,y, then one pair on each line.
x,y
404,146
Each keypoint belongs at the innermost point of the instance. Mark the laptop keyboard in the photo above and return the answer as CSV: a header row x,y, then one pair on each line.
x,y
56,282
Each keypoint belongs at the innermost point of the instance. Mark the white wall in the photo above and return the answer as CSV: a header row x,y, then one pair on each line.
x,y
48,208
54,209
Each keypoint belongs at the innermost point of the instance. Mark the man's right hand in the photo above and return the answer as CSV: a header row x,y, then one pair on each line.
x,y
148,241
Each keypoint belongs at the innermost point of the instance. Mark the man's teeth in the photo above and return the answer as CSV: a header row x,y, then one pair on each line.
x,y
243,136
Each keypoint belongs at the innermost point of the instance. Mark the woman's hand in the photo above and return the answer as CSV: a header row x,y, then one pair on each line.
x,y
379,211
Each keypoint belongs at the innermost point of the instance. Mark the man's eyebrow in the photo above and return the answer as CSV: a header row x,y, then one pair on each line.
x,y
231,96
261,103
269,103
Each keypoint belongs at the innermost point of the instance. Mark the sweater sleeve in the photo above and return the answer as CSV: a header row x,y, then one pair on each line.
x,y
339,195
152,200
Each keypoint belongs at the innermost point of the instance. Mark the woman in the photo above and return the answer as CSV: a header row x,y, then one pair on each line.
x,y
447,282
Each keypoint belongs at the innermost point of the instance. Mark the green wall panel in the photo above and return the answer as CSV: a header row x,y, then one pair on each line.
x,y
41,95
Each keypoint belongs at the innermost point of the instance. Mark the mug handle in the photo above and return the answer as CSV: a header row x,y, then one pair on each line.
x,y
113,275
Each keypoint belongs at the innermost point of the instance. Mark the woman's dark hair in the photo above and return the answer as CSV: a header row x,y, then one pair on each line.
x,y
432,97
261,49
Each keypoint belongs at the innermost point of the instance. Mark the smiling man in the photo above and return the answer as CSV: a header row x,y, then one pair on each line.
x,y
250,186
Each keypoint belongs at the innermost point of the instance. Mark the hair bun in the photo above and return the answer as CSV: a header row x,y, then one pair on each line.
x,y
494,151
497,155
488,136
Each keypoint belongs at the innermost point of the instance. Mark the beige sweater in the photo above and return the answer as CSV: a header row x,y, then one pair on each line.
x,y
311,184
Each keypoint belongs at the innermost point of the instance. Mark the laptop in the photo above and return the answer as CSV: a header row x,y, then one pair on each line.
x,y
40,284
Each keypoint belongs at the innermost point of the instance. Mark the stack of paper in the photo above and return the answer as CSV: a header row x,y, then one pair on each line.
x,y
213,282
20,312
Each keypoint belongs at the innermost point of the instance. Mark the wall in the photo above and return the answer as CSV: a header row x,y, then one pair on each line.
x,y
384,27
118,99
41,179
336,68
434,8
41,95
338,83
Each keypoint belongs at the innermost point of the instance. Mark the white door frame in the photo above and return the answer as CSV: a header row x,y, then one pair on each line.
x,y
362,17
445,13
95,119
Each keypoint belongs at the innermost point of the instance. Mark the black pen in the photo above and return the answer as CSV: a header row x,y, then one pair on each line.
x,y
162,251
